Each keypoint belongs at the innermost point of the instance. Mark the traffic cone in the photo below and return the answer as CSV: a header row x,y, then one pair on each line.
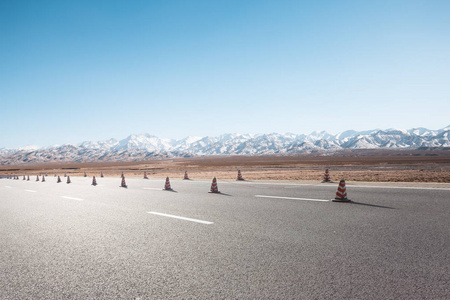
x,y
101,174
23,177
239,176
167,185
85,175
46,174
123,184
326,177
214,188
145,175
122,175
43,178
28,178
59,180
186,177
94,182
65,174
68,179
341,194
37,177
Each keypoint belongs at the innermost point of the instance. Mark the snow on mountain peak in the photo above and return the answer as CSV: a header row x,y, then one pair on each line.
x,y
146,146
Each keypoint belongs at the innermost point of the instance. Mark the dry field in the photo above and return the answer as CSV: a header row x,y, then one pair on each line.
x,y
367,166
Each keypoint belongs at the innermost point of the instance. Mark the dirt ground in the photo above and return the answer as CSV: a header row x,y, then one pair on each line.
x,y
365,166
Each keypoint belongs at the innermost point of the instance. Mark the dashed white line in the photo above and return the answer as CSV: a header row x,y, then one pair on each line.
x,y
153,189
181,218
71,198
291,198
31,191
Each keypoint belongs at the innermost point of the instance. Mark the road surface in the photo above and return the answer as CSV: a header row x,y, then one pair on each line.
x,y
255,240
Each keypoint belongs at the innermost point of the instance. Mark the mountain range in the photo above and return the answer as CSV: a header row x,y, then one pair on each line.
x,y
145,146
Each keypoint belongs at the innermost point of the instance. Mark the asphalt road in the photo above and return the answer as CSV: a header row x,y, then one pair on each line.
x,y
77,241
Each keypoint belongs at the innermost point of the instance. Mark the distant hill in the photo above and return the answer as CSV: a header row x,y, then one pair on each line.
x,y
146,146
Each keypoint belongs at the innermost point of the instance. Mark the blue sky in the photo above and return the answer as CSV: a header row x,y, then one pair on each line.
x,y
90,70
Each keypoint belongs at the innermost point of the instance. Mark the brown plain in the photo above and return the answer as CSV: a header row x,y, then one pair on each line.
x,y
357,165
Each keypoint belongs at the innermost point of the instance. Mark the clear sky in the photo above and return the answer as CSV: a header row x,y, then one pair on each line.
x,y
80,70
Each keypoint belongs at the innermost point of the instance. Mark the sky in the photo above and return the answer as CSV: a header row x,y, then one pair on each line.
x,y
72,71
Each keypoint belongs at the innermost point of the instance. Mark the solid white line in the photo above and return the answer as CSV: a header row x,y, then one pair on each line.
x,y
398,187
153,189
265,183
71,198
334,184
181,218
31,191
290,198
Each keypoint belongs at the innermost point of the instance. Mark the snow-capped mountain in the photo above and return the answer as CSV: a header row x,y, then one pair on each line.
x,y
146,146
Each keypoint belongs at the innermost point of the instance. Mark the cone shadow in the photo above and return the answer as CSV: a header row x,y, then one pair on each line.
x,y
373,205
220,193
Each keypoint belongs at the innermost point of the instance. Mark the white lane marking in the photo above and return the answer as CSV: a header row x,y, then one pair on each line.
x,y
334,184
31,191
71,198
266,183
398,187
290,198
181,218
153,189
8,187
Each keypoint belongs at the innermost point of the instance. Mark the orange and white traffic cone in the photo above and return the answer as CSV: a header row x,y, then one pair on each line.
x,y
186,177
94,182
65,174
341,194
214,188
43,178
326,176
101,174
28,178
24,177
123,184
37,177
59,180
85,175
167,185
239,176
68,179
145,175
